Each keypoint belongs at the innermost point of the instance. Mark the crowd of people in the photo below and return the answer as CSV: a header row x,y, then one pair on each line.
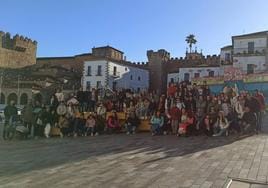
x,y
185,110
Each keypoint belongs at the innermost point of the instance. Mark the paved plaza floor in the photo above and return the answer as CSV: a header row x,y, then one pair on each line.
x,y
133,161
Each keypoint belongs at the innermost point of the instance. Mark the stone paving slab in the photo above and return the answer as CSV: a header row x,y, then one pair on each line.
x,y
133,161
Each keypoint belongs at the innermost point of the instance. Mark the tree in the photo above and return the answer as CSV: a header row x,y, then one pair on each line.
x,y
190,39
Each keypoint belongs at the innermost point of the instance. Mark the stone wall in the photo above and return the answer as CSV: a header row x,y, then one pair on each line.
x,y
16,52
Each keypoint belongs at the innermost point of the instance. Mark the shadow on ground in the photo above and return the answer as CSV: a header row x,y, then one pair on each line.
x,y
17,157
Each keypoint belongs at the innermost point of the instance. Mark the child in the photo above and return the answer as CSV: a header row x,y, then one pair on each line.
x,y
90,125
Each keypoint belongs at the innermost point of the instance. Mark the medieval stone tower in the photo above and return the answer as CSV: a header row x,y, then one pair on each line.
x,y
16,52
157,68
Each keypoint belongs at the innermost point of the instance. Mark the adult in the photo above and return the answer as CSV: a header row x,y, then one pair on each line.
x,y
28,117
221,125
157,121
10,112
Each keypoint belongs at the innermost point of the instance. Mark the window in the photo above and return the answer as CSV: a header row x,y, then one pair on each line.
x,y
172,80
131,77
126,69
227,57
186,76
88,86
250,69
196,75
99,72
98,84
115,70
251,47
139,78
89,71
211,74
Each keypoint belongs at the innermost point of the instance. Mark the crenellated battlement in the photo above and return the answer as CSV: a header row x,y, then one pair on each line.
x,y
17,42
16,51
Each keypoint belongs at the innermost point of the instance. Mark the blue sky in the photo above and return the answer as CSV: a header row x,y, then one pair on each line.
x,y
69,27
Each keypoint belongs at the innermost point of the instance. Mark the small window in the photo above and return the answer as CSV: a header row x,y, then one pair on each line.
x,y
251,47
196,75
115,71
172,80
99,72
88,85
139,78
89,71
126,69
98,84
131,77
211,74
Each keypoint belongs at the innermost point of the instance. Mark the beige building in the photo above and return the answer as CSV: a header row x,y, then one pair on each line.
x,y
16,51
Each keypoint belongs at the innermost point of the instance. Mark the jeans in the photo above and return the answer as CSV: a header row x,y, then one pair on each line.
x,y
155,128
90,130
219,132
130,128
259,116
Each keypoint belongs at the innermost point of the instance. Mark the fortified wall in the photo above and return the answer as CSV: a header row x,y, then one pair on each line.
x,y
17,51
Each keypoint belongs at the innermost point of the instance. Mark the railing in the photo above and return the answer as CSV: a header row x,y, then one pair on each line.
x,y
116,74
254,52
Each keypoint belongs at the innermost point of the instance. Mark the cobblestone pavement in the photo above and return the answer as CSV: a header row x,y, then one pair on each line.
x,y
133,161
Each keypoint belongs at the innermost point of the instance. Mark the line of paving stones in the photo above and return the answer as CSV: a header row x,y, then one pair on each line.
x,y
133,161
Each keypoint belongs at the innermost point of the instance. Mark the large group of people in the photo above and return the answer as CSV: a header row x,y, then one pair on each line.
x,y
185,110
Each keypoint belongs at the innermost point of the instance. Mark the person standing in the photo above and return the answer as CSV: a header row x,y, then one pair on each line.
x,y
260,97
10,111
28,118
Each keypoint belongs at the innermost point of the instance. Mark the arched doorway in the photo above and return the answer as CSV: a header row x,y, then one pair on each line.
x,y
2,98
12,97
23,99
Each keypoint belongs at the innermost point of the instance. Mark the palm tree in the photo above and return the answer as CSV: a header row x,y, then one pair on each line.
x,y
190,39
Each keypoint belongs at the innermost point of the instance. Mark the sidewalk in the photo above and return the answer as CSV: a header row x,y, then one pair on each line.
x,y
134,161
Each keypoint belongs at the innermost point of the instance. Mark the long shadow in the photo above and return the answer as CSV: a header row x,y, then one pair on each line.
x,y
18,157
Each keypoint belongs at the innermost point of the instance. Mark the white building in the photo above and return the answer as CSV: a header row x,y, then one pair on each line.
x,y
114,74
188,73
248,52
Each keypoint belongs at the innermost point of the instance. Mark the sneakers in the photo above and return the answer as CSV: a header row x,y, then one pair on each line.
x,y
128,133
92,134
61,135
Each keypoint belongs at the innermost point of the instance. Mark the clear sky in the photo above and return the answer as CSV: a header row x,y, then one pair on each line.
x,y
69,27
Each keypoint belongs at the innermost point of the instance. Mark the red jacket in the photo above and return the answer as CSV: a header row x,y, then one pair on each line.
x,y
261,100
175,113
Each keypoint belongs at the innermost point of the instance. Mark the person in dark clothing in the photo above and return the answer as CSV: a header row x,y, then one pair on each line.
x,y
81,98
132,122
248,121
46,118
254,105
10,112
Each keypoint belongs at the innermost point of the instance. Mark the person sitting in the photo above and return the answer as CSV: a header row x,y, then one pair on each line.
x,y
221,125
207,125
113,122
187,126
131,124
249,121
64,126
79,122
90,125
157,121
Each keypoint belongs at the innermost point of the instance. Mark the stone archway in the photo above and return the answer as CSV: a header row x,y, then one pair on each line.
x,y
12,97
2,98
23,99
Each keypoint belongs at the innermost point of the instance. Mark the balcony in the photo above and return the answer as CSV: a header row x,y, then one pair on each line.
x,y
260,51
116,74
